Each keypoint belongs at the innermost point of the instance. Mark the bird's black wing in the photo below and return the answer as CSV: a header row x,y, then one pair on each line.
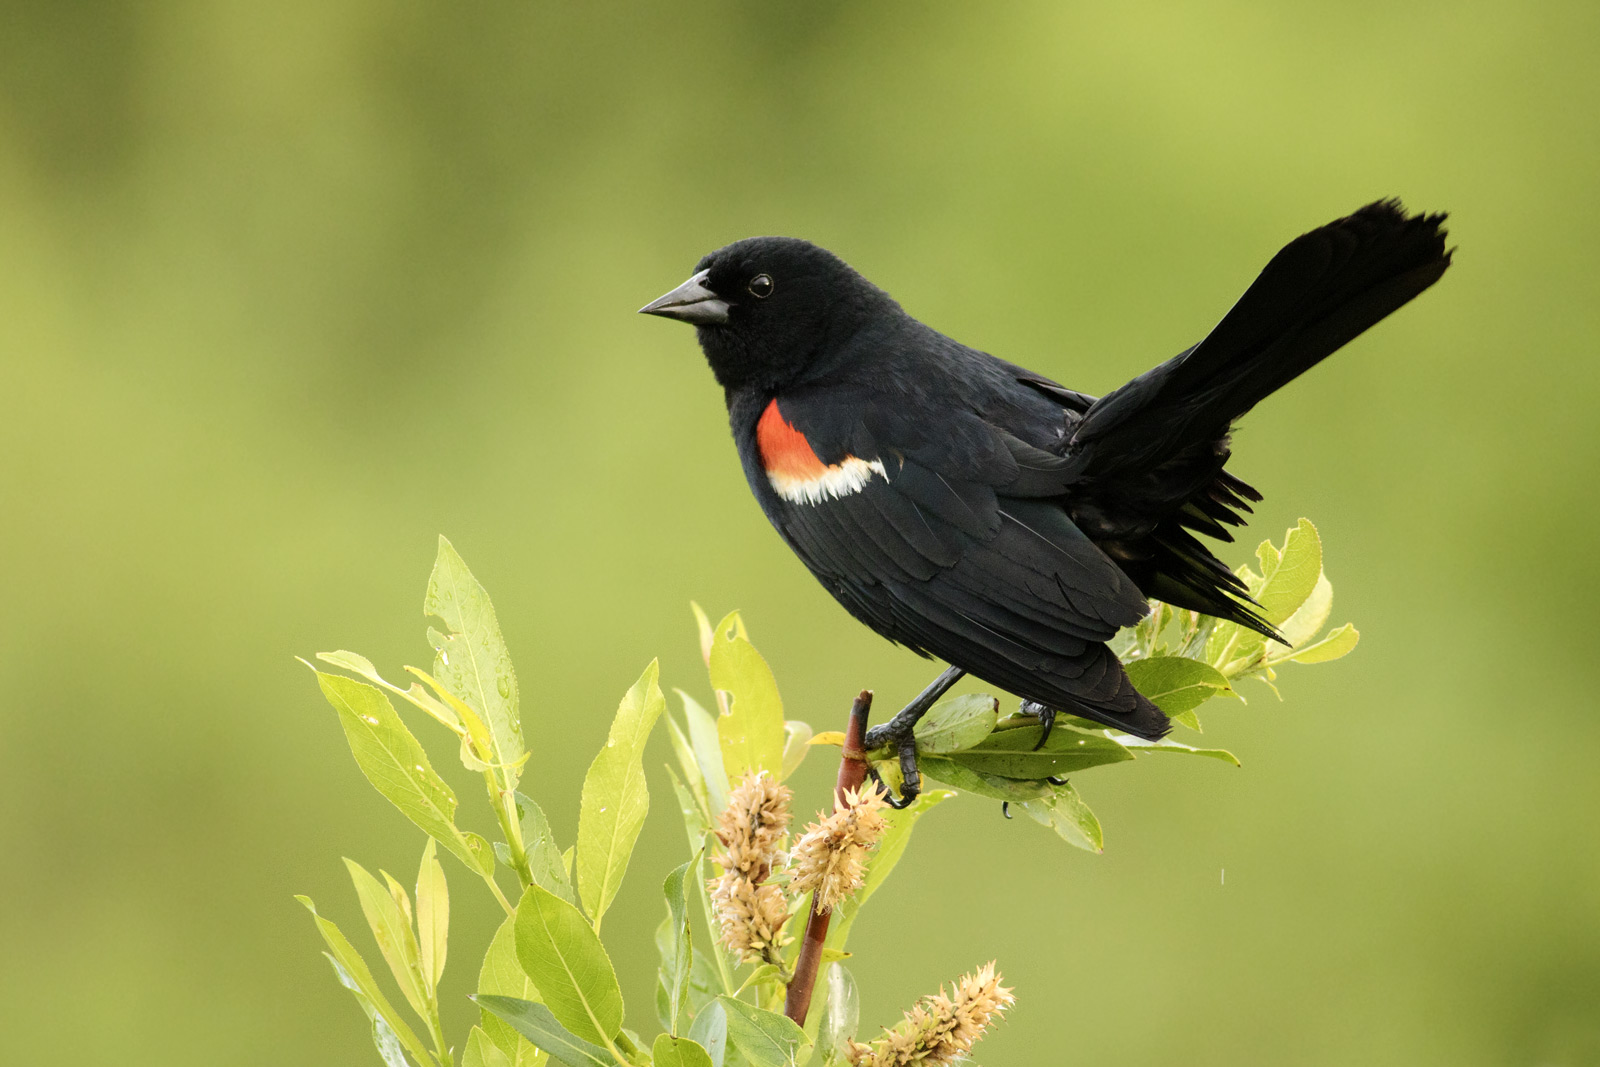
x,y
952,541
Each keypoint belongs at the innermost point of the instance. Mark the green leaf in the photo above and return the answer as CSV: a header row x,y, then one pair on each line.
x,y
1338,643
349,964
1065,812
1012,753
672,1051
707,745
752,731
1167,744
539,1025
710,1031
992,786
473,661
433,917
561,953
615,797
1149,630
1186,718
764,974
1196,633
881,862
766,1038
1176,685
502,975
388,1044
356,663
796,743
705,983
1289,577
395,764
544,855
663,942
481,1051
391,928
694,820
678,957
703,624
1309,618
684,752
957,723
841,1015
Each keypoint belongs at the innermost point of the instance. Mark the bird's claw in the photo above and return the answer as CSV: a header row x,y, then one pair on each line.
x,y
900,731
910,779
1046,716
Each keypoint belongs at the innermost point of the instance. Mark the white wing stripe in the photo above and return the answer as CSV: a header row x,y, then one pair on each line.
x,y
838,480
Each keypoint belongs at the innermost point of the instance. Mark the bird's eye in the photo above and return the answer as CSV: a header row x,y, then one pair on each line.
x,y
760,286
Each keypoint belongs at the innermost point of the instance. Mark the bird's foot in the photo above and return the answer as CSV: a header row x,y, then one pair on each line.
x,y
1047,719
900,732
910,778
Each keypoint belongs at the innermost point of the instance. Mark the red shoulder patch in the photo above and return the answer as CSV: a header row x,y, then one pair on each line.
x,y
785,452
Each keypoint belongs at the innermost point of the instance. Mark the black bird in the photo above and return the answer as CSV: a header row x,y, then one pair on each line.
x,y
978,512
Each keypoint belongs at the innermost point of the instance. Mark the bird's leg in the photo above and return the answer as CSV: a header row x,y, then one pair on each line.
x,y
905,720
898,732
1047,719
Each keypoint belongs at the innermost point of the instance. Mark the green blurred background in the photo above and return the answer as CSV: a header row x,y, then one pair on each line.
x,y
288,289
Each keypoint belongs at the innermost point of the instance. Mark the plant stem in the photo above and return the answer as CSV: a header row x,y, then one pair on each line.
x,y
494,888
436,1028
504,803
852,772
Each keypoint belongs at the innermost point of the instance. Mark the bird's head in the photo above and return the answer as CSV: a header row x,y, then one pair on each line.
x,y
771,310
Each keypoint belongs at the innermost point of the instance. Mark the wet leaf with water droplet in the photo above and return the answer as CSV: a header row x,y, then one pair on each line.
x,y
395,764
473,661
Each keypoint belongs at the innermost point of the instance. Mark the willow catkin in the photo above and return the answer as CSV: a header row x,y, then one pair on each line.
x,y
939,1029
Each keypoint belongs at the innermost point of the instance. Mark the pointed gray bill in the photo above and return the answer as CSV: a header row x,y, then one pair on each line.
x,y
690,302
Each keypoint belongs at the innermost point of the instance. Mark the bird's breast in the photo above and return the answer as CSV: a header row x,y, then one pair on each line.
x,y
797,473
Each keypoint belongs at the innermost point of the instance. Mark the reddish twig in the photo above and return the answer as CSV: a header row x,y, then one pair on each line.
x,y
852,772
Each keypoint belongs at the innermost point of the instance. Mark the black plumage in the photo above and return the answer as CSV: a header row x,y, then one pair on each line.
x,y
981,513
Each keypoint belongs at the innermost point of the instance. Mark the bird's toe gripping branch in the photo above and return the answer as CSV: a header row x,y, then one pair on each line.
x,y
910,777
900,734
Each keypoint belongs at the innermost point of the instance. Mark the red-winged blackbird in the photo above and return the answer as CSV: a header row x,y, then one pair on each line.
x,y
981,513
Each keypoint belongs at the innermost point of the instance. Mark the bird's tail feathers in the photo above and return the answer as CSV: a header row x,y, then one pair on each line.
x,y
1321,291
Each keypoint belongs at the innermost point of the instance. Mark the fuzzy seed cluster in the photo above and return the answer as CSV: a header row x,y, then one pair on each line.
x,y
750,909
939,1029
831,856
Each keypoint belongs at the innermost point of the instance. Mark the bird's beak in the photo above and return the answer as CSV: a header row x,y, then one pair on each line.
x,y
690,302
